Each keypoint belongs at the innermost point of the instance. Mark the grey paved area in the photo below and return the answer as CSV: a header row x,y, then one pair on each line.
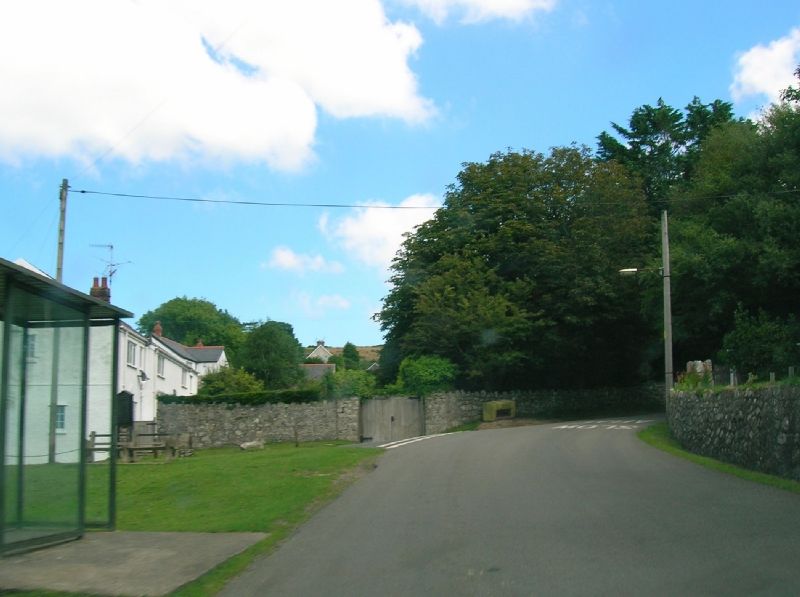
x,y
123,563
580,508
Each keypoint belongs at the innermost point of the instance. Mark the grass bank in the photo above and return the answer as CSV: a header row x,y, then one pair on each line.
x,y
659,437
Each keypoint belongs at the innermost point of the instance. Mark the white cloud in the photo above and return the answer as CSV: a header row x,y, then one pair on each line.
x,y
316,308
285,259
373,236
157,80
766,70
475,11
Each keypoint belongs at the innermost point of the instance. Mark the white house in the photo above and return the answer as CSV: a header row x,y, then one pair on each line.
x,y
149,366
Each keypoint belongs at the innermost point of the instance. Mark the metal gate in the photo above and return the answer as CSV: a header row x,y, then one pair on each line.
x,y
390,419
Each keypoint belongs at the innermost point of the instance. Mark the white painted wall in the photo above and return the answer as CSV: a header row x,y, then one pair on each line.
x,y
178,377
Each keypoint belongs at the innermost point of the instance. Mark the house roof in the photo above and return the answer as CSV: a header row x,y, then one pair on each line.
x,y
320,350
198,354
55,292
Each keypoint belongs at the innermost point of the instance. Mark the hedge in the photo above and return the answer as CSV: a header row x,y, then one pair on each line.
x,y
263,397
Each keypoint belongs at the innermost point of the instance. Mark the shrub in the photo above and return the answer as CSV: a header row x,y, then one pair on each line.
x,y
252,398
426,374
351,382
228,380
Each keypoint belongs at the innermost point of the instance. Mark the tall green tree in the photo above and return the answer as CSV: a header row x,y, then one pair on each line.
x,y
350,356
192,320
273,354
661,144
735,230
515,279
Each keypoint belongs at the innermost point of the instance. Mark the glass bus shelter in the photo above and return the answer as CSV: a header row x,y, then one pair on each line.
x,y
57,381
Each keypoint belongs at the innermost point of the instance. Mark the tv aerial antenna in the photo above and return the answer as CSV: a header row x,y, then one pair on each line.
x,y
111,265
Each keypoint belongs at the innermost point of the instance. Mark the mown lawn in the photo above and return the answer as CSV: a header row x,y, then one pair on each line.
x,y
228,490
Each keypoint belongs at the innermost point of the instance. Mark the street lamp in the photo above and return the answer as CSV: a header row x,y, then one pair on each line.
x,y
665,276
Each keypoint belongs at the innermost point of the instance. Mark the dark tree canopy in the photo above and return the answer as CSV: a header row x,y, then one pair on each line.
x,y
272,354
735,232
515,279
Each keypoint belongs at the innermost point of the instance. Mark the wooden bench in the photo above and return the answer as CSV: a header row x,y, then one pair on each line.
x,y
130,445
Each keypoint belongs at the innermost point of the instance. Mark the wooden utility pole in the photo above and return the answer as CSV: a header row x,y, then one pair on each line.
x,y
61,224
52,427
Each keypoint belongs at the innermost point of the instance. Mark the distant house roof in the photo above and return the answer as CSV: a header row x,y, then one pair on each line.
x,y
316,371
198,354
320,352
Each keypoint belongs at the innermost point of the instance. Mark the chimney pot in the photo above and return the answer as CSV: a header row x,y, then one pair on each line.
x,y
157,331
100,292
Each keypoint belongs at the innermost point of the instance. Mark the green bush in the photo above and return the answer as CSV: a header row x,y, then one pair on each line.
x,y
351,382
229,380
251,398
426,374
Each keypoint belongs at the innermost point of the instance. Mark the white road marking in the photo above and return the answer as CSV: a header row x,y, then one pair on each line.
x,y
607,425
409,440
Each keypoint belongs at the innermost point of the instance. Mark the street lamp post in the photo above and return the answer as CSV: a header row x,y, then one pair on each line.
x,y
665,276
668,373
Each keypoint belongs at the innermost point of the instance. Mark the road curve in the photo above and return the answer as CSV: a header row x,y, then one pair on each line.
x,y
581,509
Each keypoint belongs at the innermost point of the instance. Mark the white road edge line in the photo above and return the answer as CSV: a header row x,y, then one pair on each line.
x,y
409,440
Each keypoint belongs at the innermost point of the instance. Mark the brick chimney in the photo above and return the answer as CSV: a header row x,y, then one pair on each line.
x,y
101,291
157,331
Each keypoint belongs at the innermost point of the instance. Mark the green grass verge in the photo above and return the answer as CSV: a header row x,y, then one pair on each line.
x,y
658,436
272,490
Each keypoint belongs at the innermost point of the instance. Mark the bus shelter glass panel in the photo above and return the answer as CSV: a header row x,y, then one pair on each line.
x,y
99,427
44,421
12,399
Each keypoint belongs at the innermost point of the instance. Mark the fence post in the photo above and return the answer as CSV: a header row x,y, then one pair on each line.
x,y
771,377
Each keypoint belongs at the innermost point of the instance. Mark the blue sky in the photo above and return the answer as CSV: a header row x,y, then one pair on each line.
x,y
354,103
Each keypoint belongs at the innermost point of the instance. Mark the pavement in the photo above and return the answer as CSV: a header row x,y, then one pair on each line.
x,y
122,563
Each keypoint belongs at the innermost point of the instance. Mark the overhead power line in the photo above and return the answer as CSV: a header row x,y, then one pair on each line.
x,y
258,203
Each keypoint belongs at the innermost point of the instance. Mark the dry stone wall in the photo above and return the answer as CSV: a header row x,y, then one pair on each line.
x,y
758,429
216,425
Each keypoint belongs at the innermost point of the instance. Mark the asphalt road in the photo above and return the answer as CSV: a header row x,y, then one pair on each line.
x,y
548,510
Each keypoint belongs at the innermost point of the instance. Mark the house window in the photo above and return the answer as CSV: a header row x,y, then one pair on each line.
x,y
61,417
183,377
141,357
161,360
131,354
